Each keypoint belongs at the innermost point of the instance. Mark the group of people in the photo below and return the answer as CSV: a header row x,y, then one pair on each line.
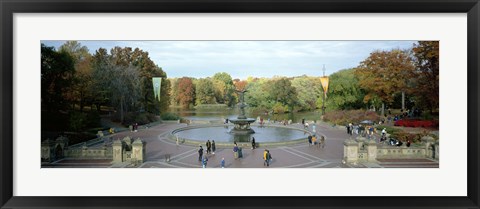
x,y
237,153
366,131
134,127
312,140
203,158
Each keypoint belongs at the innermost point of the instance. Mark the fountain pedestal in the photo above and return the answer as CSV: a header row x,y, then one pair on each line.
x,y
242,123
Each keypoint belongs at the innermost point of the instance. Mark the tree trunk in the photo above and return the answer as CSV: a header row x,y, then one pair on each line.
x,y
383,109
121,109
403,100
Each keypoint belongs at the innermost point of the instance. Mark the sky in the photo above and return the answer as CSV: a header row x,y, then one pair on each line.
x,y
242,59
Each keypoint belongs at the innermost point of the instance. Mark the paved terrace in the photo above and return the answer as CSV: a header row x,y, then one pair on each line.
x,y
300,155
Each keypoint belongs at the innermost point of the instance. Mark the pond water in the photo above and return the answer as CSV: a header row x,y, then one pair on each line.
x,y
222,113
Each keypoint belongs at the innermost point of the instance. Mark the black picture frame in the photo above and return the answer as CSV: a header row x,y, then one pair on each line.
x,y
10,7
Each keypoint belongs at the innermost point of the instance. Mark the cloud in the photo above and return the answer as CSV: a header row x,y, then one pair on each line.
x,y
251,58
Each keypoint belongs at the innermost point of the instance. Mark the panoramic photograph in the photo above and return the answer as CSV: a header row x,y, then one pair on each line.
x,y
239,104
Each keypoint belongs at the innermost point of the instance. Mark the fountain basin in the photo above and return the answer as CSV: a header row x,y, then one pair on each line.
x,y
222,134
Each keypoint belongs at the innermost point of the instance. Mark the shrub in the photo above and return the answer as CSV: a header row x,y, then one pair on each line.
x,y
77,121
343,117
416,123
170,116
279,108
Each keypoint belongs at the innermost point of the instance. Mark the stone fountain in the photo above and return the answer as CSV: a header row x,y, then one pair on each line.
x,y
242,123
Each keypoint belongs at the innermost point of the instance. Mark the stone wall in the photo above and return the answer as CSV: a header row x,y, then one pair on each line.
x,y
125,150
363,150
89,153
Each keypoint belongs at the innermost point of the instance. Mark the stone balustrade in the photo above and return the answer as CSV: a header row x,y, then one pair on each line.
x,y
364,150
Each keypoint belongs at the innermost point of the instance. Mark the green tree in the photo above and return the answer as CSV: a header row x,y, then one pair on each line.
x,y
226,88
205,92
344,91
258,95
82,80
116,81
281,90
308,91
57,74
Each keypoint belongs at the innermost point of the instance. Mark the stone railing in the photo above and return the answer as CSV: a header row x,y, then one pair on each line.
x,y
364,150
89,152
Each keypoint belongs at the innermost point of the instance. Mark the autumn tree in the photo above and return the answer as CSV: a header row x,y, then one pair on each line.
x,y
384,74
185,92
426,74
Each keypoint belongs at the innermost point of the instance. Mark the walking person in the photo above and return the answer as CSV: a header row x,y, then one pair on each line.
x,y
322,141
222,163
209,146
314,140
351,128
204,161
253,142
310,140
265,161
213,147
269,157
235,151
200,154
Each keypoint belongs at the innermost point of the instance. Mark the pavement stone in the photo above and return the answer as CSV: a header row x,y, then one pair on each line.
x,y
159,148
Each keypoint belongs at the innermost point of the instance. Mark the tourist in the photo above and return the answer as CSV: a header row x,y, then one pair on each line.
x,y
213,147
309,140
306,125
351,128
204,161
269,157
303,121
222,163
235,151
408,143
265,159
322,141
314,140
313,128
253,142
209,146
200,153
176,135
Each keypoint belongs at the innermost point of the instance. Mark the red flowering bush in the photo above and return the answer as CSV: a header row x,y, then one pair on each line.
x,y
416,123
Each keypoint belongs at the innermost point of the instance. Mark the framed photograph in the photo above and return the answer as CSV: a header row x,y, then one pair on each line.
x,y
264,104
